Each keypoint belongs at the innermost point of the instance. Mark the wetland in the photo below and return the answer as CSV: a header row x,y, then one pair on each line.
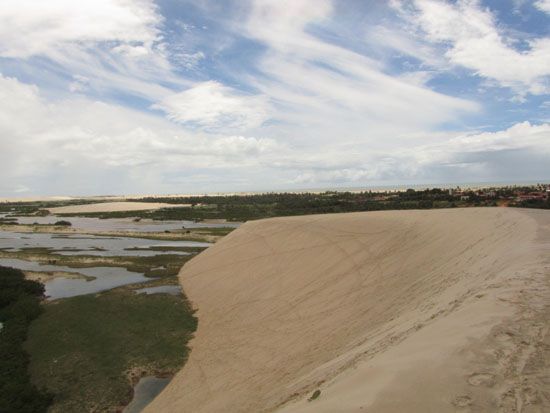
x,y
114,321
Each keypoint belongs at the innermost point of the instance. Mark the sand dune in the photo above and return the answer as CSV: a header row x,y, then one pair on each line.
x,y
401,311
113,207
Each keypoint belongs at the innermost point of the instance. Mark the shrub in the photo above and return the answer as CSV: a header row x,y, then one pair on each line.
x,y
19,305
315,395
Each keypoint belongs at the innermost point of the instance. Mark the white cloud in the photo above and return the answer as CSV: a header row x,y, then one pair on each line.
x,y
188,60
322,92
116,44
473,40
212,105
79,84
36,27
320,112
524,148
59,145
398,39
79,146
543,5
522,135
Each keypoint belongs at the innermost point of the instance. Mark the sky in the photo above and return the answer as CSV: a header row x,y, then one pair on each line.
x,y
105,97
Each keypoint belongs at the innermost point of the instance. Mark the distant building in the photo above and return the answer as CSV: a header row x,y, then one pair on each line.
x,y
536,196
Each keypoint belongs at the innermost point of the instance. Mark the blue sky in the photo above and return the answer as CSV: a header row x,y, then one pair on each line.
x,y
176,96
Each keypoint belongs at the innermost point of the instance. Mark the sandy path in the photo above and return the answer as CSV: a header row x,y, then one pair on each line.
x,y
113,207
417,311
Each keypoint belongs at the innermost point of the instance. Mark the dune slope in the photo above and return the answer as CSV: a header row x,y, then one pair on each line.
x,y
428,311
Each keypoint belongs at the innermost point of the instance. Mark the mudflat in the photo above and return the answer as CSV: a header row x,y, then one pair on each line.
x,y
417,311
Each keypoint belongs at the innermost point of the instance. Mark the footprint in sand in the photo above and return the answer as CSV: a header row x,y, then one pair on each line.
x,y
481,379
462,401
504,336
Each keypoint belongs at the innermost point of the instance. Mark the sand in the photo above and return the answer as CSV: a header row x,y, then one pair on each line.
x,y
45,276
113,207
398,311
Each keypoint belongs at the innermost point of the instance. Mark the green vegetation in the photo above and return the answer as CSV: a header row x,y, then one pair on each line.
x,y
256,206
315,395
248,207
19,306
192,234
104,343
535,203
162,265
39,207
214,231
164,248
8,221
86,353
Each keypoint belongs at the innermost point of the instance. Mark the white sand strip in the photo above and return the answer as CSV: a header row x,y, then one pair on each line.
x,y
113,207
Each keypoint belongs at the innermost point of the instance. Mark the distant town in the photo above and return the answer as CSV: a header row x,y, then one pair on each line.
x,y
507,196
244,207
518,196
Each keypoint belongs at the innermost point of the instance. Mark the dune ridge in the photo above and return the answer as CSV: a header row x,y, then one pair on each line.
x,y
418,311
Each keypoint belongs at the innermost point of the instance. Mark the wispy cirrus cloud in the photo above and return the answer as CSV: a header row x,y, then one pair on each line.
x,y
471,38
116,44
331,90
143,96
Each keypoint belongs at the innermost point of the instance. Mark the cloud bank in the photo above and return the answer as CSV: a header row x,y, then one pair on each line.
x,y
121,96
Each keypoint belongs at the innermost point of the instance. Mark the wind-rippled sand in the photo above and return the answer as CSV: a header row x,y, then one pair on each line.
x,y
398,311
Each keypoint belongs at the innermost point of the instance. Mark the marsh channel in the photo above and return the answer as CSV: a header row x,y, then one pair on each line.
x,y
78,263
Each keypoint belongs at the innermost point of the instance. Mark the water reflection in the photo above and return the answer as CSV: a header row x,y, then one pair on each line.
x,y
60,287
105,278
123,224
91,244
144,392
161,289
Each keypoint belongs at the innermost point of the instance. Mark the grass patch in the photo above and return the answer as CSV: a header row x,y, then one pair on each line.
x,y
155,282
175,235
195,234
165,248
38,207
219,231
9,221
89,350
164,265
